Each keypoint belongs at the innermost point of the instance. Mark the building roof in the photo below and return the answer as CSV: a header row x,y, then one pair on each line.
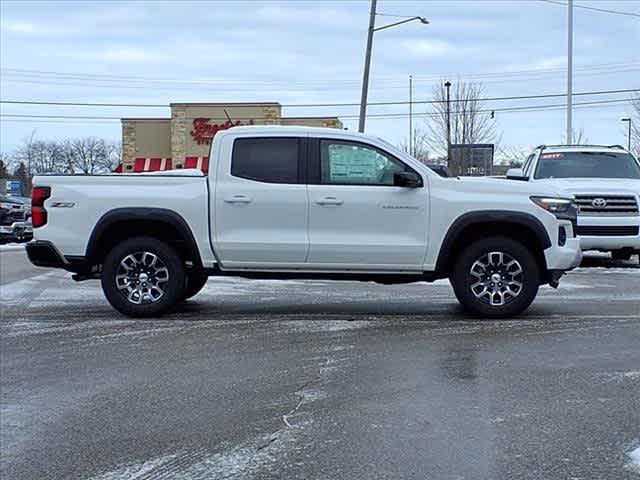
x,y
132,119
225,104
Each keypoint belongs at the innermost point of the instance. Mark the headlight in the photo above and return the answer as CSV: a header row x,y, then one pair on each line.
x,y
560,207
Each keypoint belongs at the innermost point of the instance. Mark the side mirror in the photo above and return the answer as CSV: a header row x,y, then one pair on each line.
x,y
407,179
516,174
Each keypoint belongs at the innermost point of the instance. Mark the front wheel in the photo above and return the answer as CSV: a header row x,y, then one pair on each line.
x,y
143,277
495,277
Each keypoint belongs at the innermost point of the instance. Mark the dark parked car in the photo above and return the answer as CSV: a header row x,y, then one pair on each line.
x,y
441,170
14,224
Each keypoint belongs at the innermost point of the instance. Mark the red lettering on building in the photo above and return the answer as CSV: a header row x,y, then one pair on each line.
x,y
203,131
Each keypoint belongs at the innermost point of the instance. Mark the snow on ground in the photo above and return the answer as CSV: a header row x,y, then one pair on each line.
x,y
634,462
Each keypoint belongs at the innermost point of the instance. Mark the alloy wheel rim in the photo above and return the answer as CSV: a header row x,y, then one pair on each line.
x,y
496,278
142,278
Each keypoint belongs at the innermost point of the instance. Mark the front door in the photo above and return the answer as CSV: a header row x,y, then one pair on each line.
x,y
358,218
260,209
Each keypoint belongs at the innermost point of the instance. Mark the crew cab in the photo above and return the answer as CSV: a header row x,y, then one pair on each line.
x,y
299,202
605,181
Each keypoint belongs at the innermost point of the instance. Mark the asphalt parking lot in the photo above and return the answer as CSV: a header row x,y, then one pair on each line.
x,y
319,380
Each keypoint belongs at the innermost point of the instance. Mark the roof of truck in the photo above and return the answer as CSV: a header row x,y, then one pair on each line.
x,y
582,148
289,128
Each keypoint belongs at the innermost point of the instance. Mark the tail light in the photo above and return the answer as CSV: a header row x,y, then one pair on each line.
x,y
38,212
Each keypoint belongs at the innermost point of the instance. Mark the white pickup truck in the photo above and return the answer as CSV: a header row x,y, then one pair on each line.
x,y
605,181
298,202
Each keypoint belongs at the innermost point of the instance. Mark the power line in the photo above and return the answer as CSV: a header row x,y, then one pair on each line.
x,y
596,9
314,105
84,77
522,108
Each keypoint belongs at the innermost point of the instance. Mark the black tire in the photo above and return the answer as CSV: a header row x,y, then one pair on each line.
x,y
475,290
621,254
194,282
128,262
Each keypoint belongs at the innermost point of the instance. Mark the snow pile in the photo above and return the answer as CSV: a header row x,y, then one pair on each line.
x,y
634,464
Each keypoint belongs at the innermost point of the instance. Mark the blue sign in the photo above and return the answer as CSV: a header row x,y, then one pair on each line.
x,y
14,187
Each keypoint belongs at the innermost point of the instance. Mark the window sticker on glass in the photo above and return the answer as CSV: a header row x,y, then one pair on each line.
x,y
353,163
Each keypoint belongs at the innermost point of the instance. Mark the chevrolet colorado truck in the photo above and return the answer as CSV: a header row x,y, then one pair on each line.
x,y
605,181
298,202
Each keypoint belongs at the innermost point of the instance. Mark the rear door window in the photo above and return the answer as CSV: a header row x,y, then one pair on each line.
x,y
269,160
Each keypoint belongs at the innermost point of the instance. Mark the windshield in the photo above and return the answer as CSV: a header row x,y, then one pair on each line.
x,y
587,165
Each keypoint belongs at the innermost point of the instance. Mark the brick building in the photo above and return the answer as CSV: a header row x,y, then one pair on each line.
x,y
183,141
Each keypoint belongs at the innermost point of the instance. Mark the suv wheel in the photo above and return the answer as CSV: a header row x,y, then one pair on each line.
x,y
194,282
143,277
495,277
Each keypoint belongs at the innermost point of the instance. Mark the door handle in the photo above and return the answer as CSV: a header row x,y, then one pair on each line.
x,y
329,201
238,199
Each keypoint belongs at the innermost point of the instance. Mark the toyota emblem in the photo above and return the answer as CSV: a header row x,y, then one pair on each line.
x,y
599,203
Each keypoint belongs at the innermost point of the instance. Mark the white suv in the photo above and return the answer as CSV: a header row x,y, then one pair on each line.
x,y
605,181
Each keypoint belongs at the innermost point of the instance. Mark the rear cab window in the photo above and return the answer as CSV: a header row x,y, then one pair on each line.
x,y
267,159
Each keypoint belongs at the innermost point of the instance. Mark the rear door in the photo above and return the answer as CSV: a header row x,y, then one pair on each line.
x,y
358,218
260,203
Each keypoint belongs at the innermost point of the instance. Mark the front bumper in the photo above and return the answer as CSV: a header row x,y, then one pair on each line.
x,y
608,240
566,257
17,231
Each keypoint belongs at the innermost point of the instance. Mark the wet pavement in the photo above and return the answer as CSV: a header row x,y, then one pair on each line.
x,y
319,380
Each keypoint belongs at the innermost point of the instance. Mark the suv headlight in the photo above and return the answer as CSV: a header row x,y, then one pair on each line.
x,y
565,208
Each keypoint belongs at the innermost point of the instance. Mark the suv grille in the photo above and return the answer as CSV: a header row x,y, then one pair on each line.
x,y
621,231
607,205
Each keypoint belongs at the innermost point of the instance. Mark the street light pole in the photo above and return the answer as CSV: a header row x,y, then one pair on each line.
x,y
628,120
367,65
570,74
448,87
367,57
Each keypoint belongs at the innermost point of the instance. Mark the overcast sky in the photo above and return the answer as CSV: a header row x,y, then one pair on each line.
x,y
311,52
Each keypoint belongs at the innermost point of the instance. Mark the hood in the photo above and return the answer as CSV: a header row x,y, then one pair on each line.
x,y
579,186
499,185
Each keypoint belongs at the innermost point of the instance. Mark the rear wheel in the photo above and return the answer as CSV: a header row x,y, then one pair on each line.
x,y
143,277
495,277
194,282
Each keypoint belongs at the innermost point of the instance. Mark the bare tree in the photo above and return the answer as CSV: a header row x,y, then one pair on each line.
x,y
112,157
26,153
5,161
88,154
419,148
578,138
470,123
513,156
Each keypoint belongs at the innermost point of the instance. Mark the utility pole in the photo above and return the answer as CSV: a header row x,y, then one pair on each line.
x,y
570,74
448,87
411,149
367,57
628,120
367,65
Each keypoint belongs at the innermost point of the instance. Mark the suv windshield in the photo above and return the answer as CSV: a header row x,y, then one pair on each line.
x,y
587,165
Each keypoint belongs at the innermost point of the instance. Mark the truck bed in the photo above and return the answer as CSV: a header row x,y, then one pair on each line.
x,y
77,203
